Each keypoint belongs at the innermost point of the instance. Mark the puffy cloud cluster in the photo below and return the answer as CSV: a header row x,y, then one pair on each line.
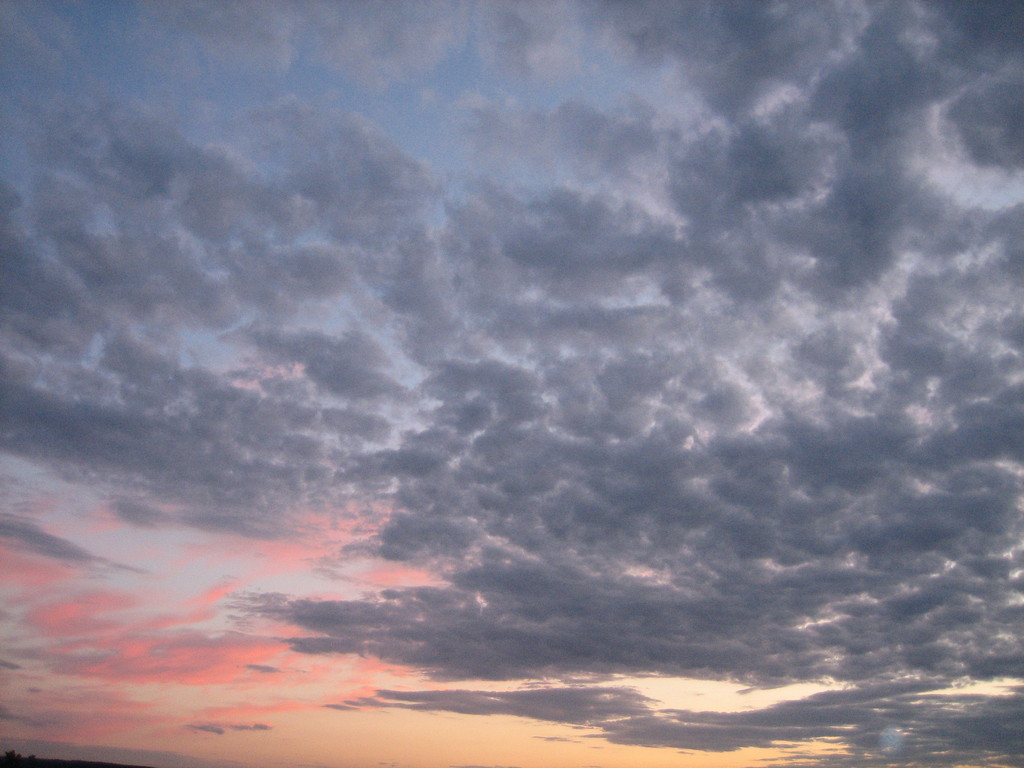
x,y
734,392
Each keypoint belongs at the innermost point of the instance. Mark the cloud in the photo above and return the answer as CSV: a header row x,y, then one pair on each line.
x,y
81,712
755,48
28,534
221,729
511,620
398,45
532,43
348,366
110,651
619,149
6,714
931,724
138,513
566,705
859,717
376,49
207,728
116,183
32,537
707,378
263,669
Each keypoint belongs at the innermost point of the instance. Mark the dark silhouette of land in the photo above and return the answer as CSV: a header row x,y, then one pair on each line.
x,y
13,760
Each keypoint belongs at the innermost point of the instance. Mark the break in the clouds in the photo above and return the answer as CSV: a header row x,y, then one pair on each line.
x,y
675,340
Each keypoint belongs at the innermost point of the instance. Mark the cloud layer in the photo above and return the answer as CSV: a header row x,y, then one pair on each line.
x,y
726,385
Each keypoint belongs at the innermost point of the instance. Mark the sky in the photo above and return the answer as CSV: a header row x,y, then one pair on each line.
x,y
512,385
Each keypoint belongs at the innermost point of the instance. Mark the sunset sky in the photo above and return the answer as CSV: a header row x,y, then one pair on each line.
x,y
512,385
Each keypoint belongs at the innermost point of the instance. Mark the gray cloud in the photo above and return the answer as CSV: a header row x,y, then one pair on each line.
x,y
375,47
754,47
934,729
942,729
987,119
732,394
179,248
565,705
595,141
346,366
263,669
221,729
207,728
137,513
531,42
27,533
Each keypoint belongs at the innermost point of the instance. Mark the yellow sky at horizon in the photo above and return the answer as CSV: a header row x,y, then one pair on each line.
x,y
440,740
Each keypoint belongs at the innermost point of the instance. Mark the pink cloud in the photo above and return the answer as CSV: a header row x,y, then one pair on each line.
x,y
314,536
189,658
80,614
367,677
98,612
29,571
205,609
213,595
85,713
396,575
